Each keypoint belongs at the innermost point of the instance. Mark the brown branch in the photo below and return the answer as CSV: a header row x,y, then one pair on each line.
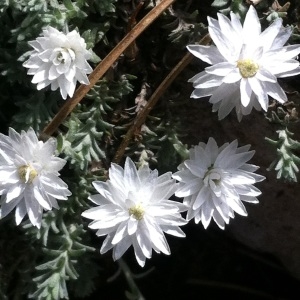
x,y
141,117
104,65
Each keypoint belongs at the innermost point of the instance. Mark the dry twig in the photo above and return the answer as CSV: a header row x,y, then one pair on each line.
x,y
141,117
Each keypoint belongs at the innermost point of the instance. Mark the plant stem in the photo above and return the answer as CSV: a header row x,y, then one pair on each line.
x,y
135,292
104,65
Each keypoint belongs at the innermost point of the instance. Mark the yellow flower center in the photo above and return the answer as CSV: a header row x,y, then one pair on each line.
x,y
248,68
137,211
27,173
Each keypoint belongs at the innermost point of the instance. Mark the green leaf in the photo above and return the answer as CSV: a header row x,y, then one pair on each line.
x,y
69,4
220,3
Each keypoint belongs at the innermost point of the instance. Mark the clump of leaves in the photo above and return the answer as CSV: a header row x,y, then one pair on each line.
x,y
286,162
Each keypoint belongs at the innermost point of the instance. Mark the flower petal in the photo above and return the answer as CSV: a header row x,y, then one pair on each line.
x,y
209,54
246,92
251,26
221,69
259,91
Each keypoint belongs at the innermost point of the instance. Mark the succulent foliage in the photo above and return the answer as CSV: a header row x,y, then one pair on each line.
x,y
59,260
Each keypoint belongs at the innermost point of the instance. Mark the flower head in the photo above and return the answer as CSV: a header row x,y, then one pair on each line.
x,y
133,209
29,174
59,60
215,181
245,64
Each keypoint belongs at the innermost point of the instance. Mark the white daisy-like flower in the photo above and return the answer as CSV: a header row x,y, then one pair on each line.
x,y
59,60
134,209
245,64
29,174
215,181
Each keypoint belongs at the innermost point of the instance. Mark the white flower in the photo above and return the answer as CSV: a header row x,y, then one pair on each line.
x,y
245,64
60,60
215,181
29,174
133,209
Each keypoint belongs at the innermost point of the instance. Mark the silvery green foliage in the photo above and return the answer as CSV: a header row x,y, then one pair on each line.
x,y
88,127
35,111
89,138
22,21
103,7
62,254
65,256
158,142
225,6
220,3
286,164
184,27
